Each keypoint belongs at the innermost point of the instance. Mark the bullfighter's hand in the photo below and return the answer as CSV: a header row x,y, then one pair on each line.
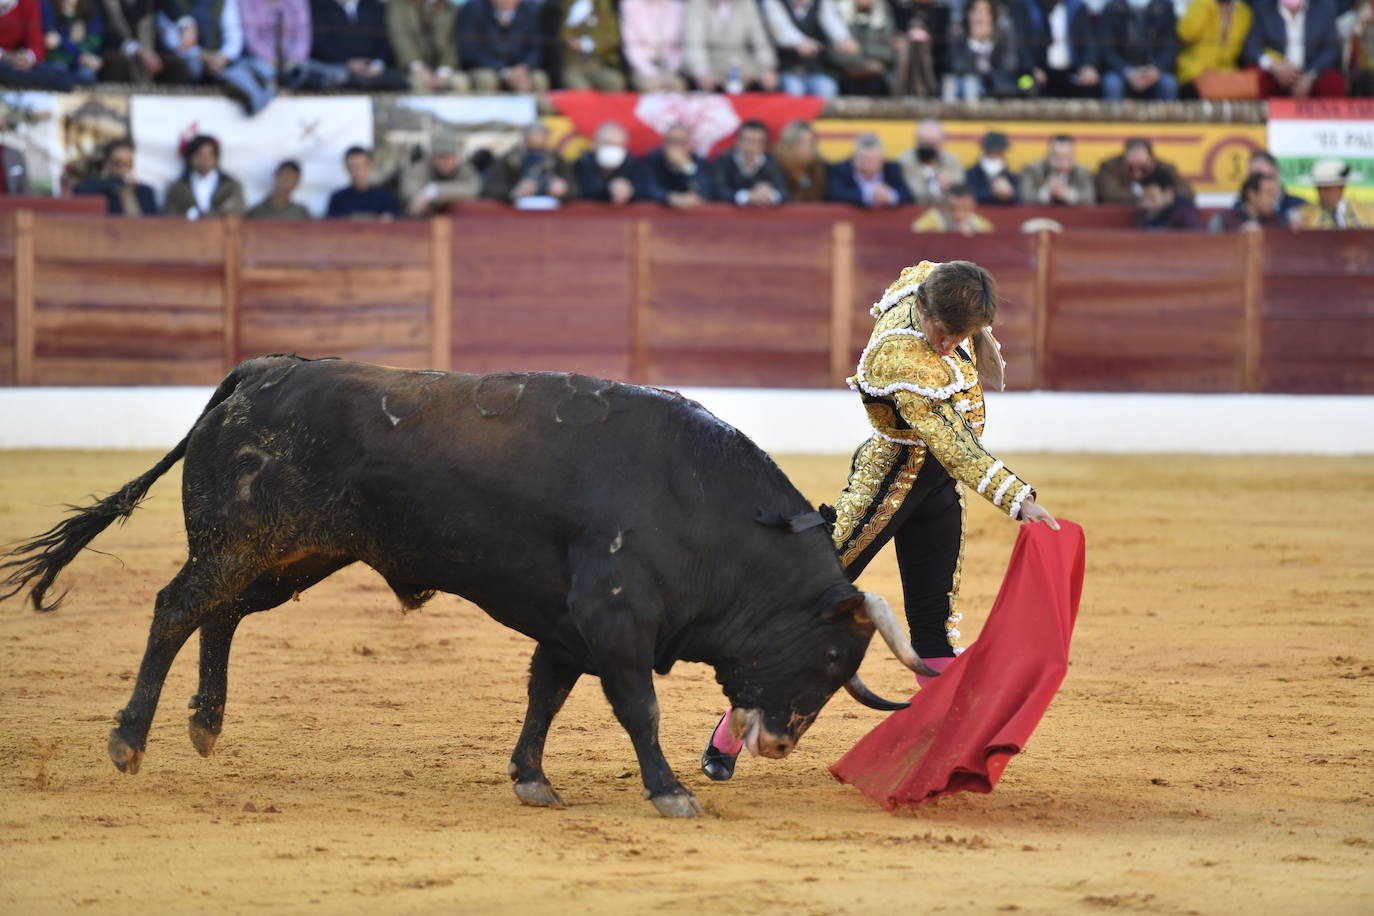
x,y
1032,512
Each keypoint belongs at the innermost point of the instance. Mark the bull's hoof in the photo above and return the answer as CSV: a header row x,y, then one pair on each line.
x,y
202,735
126,759
540,794
677,805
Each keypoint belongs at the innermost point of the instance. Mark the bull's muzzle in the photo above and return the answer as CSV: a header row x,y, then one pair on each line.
x,y
747,726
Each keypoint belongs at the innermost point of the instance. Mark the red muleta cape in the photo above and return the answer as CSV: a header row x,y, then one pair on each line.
x,y
961,730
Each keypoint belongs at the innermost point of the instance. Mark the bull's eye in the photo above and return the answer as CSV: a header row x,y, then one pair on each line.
x,y
833,655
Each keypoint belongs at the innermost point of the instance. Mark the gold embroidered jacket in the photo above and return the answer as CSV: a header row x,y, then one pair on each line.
x,y
917,402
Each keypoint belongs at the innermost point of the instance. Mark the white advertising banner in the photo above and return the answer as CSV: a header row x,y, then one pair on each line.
x,y
315,131
1304,131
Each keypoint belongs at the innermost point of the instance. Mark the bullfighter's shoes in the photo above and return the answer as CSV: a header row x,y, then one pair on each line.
x,y
717,764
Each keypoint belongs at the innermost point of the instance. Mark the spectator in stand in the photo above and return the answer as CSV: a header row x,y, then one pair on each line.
x,y
1119,178
607,171
430,185
675,176
653,34
1060,47
728,48
73,31
277,33
590,34
808,33
1256,207
920,25
14,171
869,72
1362,49
929,168
203,191
802,167
746,174
132,51
361,199
278,204
123,195
1332,210
1162,208
424,39
1212,36
958,212
1309,65
22,49
1058,178
867,179
991,181
499,42
1262,163
208,35
1139,47
348,47
530,170
984,56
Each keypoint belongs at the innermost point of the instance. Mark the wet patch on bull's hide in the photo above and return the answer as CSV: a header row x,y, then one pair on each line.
x,y
274,376
584,401
499,392
249,461
402,404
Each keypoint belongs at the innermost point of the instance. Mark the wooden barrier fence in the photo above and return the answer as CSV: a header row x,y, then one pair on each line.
x,y
777,299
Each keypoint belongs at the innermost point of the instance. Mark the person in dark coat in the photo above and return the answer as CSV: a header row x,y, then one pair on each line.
x,y
1162,208
675,176
1256,207
1316,68
991,181
1139,47
361,199
123,195
348,47
1064,64
607,172
531,170
866,179
500,42
746,174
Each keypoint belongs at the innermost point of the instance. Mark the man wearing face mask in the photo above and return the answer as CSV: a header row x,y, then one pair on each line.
x,y
1139,48
607,171
930,170
991,181
1296,46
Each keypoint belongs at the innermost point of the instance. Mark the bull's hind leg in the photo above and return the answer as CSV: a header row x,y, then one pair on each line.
x,y
551,680
216,635
182,605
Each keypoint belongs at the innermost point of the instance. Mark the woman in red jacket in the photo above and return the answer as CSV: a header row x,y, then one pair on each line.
x,y
22,49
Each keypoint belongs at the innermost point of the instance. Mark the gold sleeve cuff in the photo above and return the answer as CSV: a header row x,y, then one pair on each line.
x,y
946,436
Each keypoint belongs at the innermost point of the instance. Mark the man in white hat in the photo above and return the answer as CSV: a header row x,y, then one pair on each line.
x,y
1332,210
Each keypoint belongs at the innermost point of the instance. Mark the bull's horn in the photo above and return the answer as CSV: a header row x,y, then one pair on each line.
x,y
859,691
877,610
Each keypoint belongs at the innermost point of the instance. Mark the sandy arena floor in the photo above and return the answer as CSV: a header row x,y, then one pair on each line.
x,y
1209,751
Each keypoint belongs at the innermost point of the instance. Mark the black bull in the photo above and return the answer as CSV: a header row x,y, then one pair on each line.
x,y
614,525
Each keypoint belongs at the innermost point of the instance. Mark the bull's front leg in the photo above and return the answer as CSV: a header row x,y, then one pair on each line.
x,y
551,680
631,692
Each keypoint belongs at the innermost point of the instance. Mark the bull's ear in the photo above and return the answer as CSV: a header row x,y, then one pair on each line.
x,y
850,609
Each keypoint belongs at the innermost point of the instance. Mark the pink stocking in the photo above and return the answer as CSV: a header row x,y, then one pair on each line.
x,y
722,740
939,664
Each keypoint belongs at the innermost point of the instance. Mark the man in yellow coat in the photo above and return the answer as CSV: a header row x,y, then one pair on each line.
x,y
919,378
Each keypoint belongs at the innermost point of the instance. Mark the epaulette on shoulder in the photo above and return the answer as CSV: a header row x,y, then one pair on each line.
x,y
901,360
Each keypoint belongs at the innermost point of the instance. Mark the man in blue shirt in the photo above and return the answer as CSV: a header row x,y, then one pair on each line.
x,y
361,199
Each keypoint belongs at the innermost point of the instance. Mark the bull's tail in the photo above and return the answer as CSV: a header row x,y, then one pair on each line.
x,y
48,554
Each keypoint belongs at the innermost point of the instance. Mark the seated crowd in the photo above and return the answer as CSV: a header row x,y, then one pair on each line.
x,y
532,175
955,49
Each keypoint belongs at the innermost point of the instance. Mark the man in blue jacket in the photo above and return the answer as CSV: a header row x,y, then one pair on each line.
x,y
675,176
1060,46
1139,44
1298,69
348,47
499,42
866,179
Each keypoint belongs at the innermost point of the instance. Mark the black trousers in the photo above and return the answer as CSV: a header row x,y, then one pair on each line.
x,y
928,532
